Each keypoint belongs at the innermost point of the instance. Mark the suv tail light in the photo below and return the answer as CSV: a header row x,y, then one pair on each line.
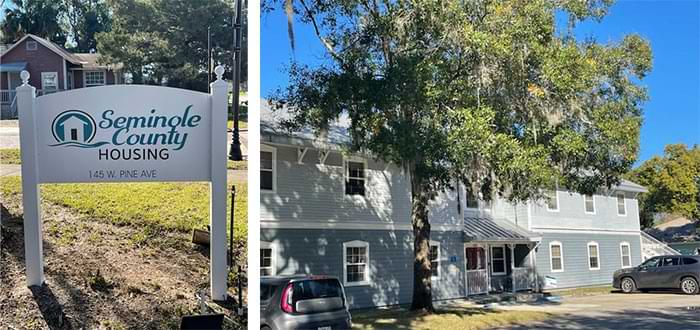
x,y
286,303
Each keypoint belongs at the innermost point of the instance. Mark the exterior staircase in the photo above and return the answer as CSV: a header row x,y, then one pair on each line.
x,y
653,247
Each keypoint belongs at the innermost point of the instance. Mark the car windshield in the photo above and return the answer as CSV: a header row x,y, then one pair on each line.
x,y
651,263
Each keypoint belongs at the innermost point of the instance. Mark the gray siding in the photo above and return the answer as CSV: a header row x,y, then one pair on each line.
x,y
575,248
571,214
320,252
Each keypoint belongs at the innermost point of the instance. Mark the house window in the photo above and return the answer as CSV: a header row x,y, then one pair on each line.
x,y
434,256
498,260
552,200
471,198
589,204
268,159
621,207
94,78
49,81
267,259
355,177
593,256
556,257
356,263
625,254
31,45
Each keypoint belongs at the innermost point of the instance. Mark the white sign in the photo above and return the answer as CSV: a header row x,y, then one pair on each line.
x,y
124,133
98,134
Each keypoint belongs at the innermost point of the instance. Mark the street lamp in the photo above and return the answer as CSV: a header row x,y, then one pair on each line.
x,y
235,150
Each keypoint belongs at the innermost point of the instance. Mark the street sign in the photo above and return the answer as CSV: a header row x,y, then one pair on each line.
x,y
124,133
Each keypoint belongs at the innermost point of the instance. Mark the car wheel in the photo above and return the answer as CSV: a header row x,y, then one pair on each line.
x,y
689,285
627,285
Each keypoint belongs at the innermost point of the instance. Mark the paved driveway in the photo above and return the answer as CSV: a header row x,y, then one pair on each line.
x,y
666,311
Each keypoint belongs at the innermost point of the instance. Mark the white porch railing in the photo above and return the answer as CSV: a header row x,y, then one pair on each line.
x,y
523,278
653,247
7,95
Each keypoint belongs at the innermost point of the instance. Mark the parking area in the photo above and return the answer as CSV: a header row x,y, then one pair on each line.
x,y
658,310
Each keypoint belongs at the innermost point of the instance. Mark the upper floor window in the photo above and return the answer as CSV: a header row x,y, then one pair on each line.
x,y
471,198
434,256
593,256
498,260
551,199
625,254
556,257
356,263
621,206
589,203
355,177
94,78
268,158
267,259
31,45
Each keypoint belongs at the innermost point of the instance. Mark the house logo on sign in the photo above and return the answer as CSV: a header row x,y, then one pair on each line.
x,y
74,128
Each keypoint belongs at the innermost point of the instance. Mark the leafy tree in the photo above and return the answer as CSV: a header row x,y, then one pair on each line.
x,y
86,18
673,182
38,17
159,44
488,92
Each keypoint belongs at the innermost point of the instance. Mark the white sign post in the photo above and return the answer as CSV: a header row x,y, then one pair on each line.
x,y
124,133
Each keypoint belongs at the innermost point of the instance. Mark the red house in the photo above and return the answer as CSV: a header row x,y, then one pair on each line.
x,y
52,68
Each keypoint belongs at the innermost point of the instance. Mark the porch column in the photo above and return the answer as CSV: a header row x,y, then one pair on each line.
x,y
512,266
533,264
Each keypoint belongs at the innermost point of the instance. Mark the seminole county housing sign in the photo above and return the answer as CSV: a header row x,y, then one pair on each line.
x,y
124,133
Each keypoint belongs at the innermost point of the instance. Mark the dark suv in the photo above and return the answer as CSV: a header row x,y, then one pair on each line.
x,y
661,272
303,302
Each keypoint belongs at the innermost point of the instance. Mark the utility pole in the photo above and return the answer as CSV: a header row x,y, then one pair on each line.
x,y
235,150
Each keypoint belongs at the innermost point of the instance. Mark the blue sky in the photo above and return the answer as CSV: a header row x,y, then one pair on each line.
x,y
672,114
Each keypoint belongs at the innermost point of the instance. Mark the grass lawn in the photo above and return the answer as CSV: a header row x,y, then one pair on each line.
x,y
464,318
151,206
241,124
577,292
10,156
237,165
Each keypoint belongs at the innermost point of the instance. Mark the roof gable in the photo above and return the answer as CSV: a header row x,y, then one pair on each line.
x,y
58,50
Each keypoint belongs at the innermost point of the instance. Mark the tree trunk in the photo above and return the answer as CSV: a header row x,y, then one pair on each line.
x,y
422,286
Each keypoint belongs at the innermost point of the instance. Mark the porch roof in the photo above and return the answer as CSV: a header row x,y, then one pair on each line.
x,y
13,67
496,230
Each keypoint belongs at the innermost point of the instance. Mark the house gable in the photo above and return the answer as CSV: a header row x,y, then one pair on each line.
x,y
40,60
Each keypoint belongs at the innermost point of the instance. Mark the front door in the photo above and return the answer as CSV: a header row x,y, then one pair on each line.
x,y
477,275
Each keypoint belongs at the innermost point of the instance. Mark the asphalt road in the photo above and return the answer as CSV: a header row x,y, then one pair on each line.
x,y
665,311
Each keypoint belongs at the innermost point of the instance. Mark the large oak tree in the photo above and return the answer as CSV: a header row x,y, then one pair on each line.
x,y
491,93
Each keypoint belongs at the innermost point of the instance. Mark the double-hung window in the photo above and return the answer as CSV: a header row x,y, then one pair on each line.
x,y
498,260
267,259
556,257
621,206
589,204
355,177
94,78
551,200
434,256
356,263
625,254
268,158
593,256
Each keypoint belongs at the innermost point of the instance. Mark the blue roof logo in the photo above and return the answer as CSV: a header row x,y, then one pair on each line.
x,y
74,128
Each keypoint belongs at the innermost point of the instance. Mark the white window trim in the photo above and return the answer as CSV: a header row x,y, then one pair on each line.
x,y
584,204
104,72
43,74
622,256
351,244
33,42
439,264
597,249
556,198
273,256
624,203
273,150
561,256
346,175
505,268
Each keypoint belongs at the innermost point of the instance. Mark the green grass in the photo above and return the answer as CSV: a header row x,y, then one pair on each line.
x,y
241,124
237,165
444,318
151,206
587,291
10,156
